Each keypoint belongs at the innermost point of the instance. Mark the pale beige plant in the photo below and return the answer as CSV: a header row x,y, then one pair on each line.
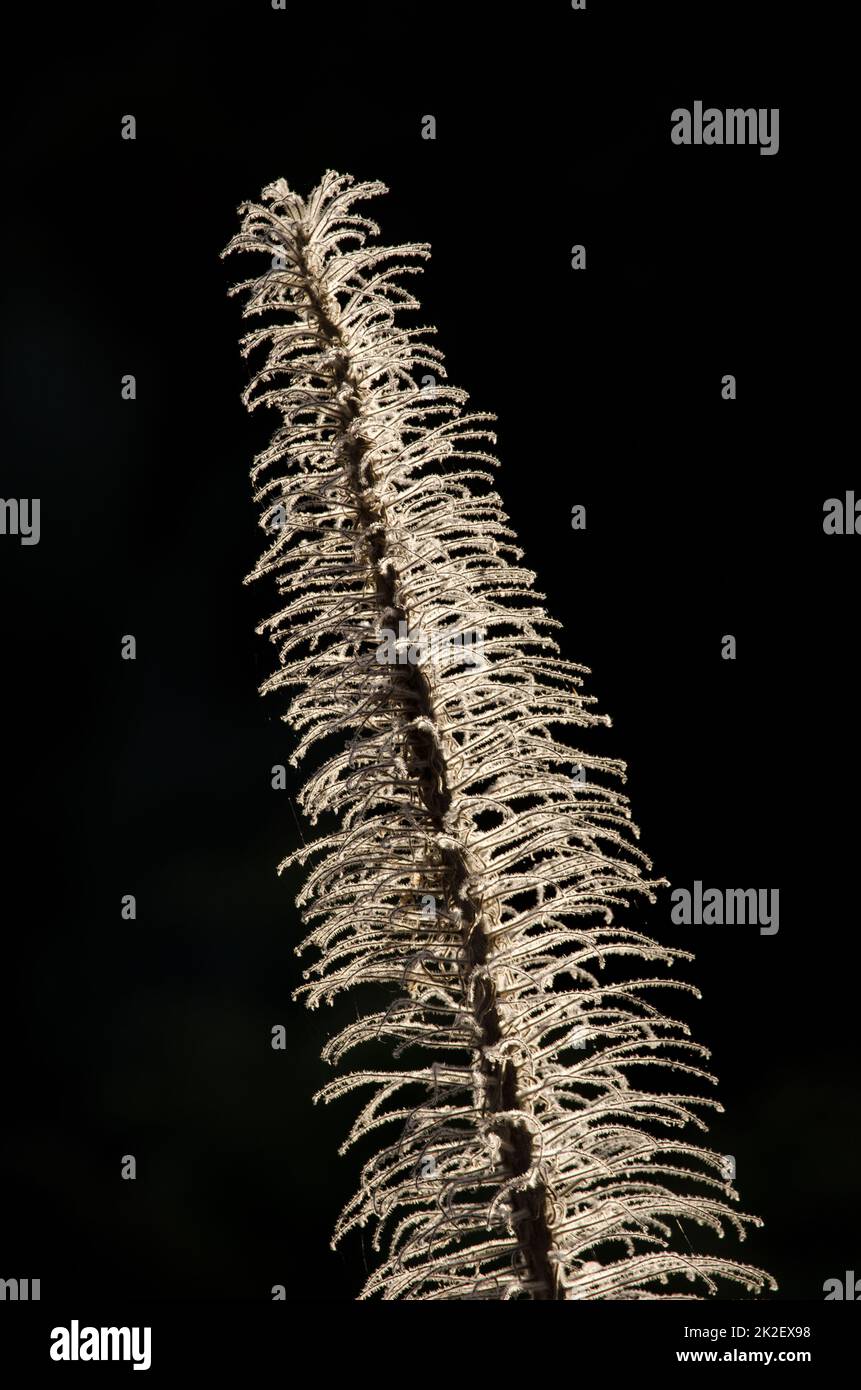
x,y
466,870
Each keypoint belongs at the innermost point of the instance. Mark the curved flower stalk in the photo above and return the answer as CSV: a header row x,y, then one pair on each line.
x,y
468,871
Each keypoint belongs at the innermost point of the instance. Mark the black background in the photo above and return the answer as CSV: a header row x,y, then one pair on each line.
x,y
704,517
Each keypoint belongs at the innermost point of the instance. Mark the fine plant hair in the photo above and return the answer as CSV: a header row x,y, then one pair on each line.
x,y
466,874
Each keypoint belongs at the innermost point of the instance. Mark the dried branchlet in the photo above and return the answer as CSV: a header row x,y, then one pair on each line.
x,y
469,871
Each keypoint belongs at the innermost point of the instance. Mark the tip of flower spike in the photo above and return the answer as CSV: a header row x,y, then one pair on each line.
x,y
275,191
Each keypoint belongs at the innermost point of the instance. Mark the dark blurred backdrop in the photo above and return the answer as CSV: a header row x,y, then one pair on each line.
x,y
153,777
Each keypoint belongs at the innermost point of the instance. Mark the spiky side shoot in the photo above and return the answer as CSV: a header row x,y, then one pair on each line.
x,y
467,871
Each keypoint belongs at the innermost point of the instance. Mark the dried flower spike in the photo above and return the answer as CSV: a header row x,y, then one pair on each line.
x,y
467,871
